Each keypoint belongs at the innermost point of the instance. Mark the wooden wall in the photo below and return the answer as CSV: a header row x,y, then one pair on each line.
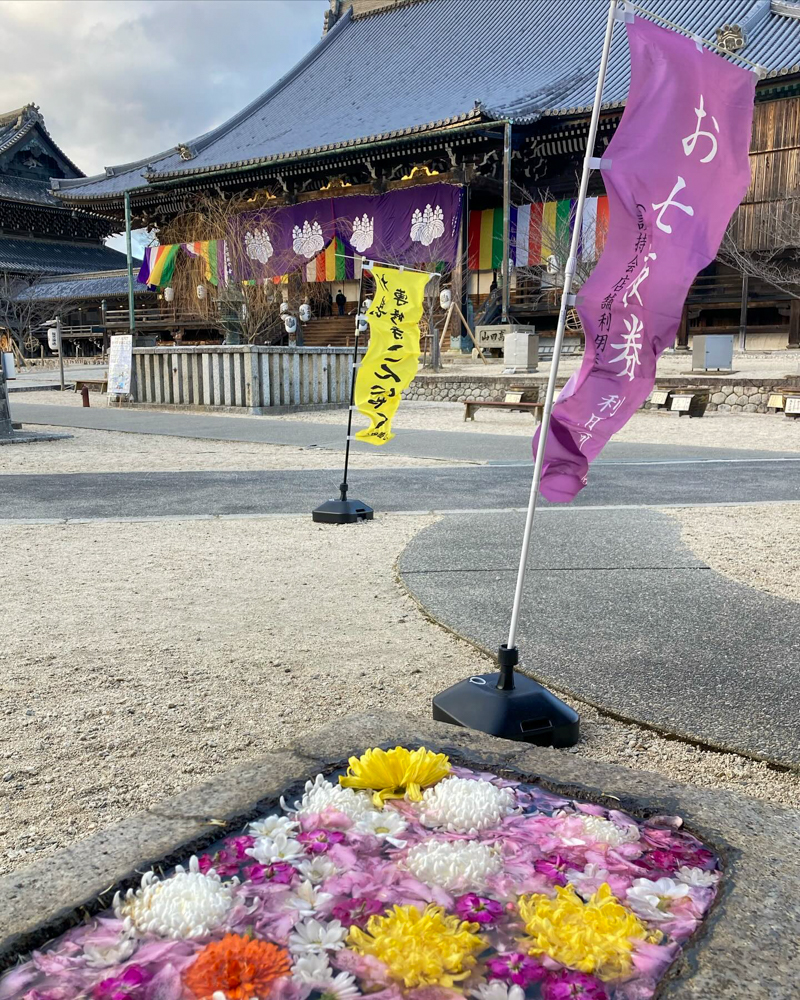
x,y
774,192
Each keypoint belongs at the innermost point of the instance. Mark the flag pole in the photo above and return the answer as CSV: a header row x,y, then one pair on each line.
x,y
508,652
521,709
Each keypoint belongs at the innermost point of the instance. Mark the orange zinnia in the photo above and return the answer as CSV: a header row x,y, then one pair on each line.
x,y
240,967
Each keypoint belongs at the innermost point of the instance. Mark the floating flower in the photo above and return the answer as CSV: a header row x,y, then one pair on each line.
x,y
514,967
240,968
224,863
314,936
603,831
321,796
280,872
428,948
569,985
677,856
357,911
596,936
395,774
312,969
270,826
317,869
306,899
340,987
387,824
102,956
129,984
461,805
651,900
498,991
478,909
555,868
278,848
457,866
697,877
188,905
320,841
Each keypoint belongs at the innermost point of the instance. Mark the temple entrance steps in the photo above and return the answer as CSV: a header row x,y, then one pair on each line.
x,y
331,331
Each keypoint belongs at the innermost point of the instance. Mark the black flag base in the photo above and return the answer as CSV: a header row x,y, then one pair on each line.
x,y
509,705
342,512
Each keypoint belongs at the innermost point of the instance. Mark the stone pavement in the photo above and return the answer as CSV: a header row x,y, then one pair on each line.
x,y
746,952
619,612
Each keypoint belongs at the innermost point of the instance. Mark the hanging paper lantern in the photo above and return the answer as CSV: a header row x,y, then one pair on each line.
x,y
305,312
445,298
290,324
169,293
201,292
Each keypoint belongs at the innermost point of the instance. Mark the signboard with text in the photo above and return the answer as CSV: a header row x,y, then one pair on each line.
x,y
120,363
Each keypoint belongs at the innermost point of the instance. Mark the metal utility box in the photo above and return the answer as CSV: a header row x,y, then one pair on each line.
x,y
712,352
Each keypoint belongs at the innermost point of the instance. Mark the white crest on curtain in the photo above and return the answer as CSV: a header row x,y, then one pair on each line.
x,y
427,226
363,232
258,245
309,240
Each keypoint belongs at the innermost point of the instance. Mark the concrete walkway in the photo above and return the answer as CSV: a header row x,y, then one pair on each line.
x,y
619,612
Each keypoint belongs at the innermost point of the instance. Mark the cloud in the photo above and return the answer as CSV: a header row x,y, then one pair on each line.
x,y
118,80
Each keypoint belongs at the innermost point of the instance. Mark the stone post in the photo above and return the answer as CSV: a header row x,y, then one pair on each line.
x,y
5,414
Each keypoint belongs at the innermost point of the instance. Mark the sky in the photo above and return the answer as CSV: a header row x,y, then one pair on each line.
x,y
118,80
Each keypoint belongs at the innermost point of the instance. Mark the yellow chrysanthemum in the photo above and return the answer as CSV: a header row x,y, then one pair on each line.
x,y
595,937
395,774
420,949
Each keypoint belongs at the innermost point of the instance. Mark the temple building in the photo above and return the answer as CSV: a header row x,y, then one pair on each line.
x,y
492,97
42,240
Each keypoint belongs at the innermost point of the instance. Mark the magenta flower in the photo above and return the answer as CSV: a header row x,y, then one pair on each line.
x,y
569,985
239,845
478,909
514,967
554,868
672,858
356,911
279,872
121,987
320,841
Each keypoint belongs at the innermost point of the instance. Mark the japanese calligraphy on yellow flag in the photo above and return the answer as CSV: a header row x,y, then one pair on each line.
x,y
392,357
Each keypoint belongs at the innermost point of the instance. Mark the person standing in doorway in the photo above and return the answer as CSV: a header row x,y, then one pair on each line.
x,y
328,303
341,302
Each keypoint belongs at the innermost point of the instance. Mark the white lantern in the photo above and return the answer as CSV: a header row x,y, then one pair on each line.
x,y
445,298
290,324
362,324
367,304
284,307
552,264
305,312
169,293
201,292
52,339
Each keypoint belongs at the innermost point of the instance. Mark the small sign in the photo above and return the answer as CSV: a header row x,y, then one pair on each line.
x,y
776,401
681,403
792,404
120,363
659,397
513,397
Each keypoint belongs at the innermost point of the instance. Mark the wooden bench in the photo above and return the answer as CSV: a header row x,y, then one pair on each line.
x,y
471,405
92,384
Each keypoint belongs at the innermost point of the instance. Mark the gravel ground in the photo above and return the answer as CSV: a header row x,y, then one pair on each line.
x,y
757,546
108,451
124,680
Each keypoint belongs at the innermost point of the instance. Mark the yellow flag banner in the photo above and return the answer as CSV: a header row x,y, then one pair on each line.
x,y
392,357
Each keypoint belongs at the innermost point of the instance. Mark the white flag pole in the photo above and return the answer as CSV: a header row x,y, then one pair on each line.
x,y
506,678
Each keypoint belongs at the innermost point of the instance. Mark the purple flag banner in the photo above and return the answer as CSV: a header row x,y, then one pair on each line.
x,y
679,168
411,226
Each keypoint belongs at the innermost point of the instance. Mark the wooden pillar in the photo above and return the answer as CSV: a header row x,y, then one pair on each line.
x,y
794,325
743,315
682,340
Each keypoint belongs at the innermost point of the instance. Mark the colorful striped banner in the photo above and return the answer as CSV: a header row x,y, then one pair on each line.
x,y
214,253
331,264
158,265
538,230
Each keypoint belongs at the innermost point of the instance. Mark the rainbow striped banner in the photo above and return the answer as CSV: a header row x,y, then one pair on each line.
x,y
214,253
536,231
158,265
331,264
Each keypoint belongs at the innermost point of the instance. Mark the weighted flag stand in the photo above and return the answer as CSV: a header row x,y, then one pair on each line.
x,y
513,706
342,510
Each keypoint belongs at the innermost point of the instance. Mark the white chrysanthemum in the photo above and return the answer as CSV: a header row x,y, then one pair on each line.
x,y
341,987
460,866
271,826
103,956
318,868
387,824
314,936
651,900
697,877
306,899
188,905
603,831
312,969
498,991
463,805
321,795
268,850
